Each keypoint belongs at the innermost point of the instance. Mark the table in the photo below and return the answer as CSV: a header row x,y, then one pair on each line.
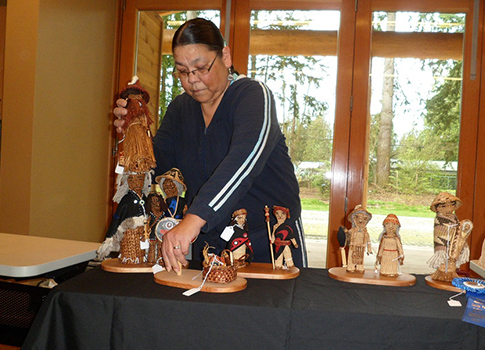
x,y
105,310
21,259
27,256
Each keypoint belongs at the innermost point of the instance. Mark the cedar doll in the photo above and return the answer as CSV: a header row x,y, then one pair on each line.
x,y
390,254
358,239
155,208
282,237
129,224
137,154
173,186
450,246
239,243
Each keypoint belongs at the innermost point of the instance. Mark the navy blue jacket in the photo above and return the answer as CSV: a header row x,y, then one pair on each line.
x,y
239,161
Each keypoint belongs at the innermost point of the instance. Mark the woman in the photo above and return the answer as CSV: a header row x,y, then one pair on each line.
x,y
223,135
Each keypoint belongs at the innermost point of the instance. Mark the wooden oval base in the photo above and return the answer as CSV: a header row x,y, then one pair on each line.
x,y
115,265
265,271
441,285
186,281
370,277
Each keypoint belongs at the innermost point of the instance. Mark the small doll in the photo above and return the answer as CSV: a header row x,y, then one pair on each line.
x,y
282,237
450,246
155,208
239,243
358,239
173,186
390,255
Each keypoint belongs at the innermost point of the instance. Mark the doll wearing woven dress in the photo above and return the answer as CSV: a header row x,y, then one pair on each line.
x,y
390,254
450,247
155,208
358,239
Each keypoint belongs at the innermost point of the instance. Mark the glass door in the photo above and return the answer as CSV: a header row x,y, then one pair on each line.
x,y
413,107
295,54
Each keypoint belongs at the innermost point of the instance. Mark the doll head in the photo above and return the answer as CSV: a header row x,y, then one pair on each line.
x,y
239,217
359,217
445,203
172,183
391,224
281,213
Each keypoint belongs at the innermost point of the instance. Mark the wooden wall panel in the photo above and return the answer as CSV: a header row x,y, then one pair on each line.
x,y
149,59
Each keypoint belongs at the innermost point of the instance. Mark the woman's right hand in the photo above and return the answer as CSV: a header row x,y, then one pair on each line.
x,y
120,111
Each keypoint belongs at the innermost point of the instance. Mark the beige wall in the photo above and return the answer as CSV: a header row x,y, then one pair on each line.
x,y
59,69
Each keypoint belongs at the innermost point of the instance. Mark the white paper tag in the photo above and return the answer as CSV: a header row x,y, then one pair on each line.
x,y
157,268
192,291
145,244
454,303
227,233
119,169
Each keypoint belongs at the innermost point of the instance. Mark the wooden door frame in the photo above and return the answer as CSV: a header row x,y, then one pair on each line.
x,y
356,174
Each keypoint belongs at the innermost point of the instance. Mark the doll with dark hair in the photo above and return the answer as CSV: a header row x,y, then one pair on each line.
x,y
239,243
282,238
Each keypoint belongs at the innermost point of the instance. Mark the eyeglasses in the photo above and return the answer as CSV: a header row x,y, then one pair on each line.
x,y
199,71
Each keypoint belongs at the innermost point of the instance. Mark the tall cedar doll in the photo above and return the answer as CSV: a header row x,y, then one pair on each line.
x,y
239,243
390,254
129,230
358,239
137,147
128,225
155,208
282,237
450,246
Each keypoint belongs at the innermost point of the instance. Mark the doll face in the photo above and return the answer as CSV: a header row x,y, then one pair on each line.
x,y
136,181
241,220
169,188
361,220
390,227
155,201
446,208
280,215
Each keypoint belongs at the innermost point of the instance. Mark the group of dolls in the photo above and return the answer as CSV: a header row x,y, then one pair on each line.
x,y
139,213
390,254
281,238
450,241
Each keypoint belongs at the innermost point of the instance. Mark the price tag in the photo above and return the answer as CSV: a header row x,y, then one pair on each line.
x,y
157,268
145,244
454,303
119,169
227,233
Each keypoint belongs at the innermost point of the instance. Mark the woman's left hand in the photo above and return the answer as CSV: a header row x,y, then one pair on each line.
x,y
176,242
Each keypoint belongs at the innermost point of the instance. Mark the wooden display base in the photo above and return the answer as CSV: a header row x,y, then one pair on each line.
x,y
186,281
115,265
441,285
265,271
370,277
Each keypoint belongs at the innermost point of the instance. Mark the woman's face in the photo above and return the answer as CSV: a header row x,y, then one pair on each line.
x,y
208,88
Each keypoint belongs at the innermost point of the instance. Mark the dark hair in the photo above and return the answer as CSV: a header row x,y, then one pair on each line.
x,y
199,31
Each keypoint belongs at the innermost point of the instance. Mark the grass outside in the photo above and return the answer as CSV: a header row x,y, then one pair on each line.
x,y
414,214
376,207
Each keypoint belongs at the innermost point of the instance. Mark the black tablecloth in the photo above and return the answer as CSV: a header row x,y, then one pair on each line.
x,y
103,310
